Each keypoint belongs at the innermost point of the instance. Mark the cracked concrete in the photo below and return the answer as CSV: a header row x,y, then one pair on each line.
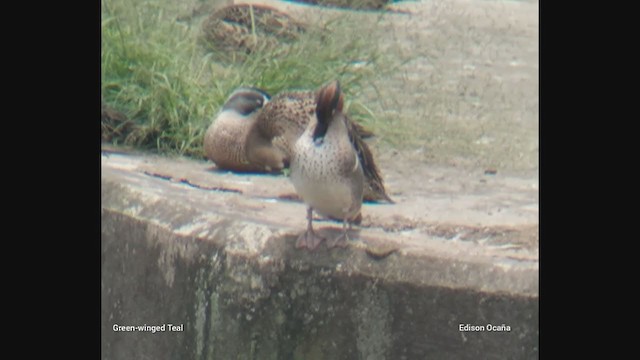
x,y
223,264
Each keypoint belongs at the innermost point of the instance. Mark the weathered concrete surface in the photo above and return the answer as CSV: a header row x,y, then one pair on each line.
x,y
214,252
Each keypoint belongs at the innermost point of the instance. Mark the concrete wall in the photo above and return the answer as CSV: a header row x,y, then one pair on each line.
x,y
173,254
234,307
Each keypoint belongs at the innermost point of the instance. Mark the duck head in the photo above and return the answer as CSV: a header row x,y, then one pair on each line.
x,y
329,101
245,101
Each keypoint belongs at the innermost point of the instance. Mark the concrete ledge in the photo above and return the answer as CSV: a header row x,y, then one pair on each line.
x,y
214,252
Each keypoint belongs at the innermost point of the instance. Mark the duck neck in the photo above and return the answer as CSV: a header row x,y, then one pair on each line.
x,y
329,104
321,130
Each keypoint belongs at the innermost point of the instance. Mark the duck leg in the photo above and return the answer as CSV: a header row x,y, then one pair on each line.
x,y
309,238
341,240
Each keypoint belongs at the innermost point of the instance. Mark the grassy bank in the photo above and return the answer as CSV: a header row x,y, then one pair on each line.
x,y
157,74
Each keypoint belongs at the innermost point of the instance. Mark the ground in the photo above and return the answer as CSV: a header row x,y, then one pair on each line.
x,y
465,92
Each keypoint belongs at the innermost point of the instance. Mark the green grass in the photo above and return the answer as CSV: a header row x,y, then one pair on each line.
x,y
156,73
438,109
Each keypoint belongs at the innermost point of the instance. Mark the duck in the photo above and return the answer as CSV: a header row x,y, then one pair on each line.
x,y
282,121
325,168
240,29
222,143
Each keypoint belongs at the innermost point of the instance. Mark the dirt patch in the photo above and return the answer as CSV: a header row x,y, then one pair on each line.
x,y
467,93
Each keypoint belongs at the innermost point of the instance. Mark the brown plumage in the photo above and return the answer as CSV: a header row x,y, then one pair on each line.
x,y
242,28
284,119
325,168
223,141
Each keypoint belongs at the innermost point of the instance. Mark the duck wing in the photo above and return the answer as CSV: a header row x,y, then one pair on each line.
x,y
374,189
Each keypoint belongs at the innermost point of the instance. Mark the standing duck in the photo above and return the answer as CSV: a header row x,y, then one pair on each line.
x,y
283,120
325,167
223,140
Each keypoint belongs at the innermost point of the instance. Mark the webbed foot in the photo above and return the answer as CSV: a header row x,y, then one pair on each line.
x,y
340,241
309,239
